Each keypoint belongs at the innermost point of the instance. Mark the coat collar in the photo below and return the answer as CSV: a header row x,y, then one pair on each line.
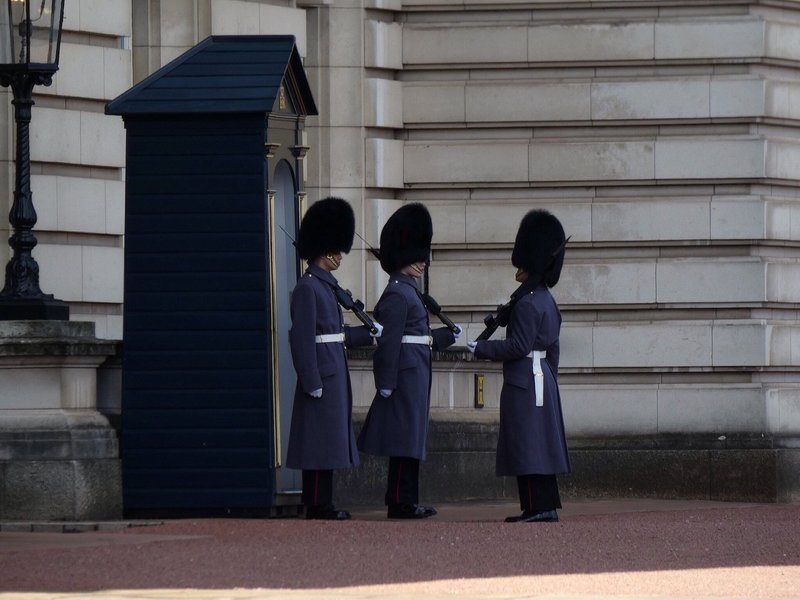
x,y
322,274
403,278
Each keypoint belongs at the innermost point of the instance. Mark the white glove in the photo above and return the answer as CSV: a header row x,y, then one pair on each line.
x,y
385,393
316,393
459,331
471,346
379,327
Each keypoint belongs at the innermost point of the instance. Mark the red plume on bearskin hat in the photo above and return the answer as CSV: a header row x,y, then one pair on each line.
x,y
539,247
328,227
406,237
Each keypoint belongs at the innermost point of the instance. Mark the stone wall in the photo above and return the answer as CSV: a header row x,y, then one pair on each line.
x,y
79,185
59,458
664,135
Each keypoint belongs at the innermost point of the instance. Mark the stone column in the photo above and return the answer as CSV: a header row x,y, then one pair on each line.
x,y
59,457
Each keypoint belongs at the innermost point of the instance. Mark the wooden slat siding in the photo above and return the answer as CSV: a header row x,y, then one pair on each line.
x,y
219,204
233,418
206,182
157,499
185,127
224,242
190,479
237,458
234,165
199,399
170,378
176,261
191,281
187,320
197,405
201,440
215,301
202,222
243,359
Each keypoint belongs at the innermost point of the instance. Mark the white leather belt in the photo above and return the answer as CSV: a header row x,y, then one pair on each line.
x,y
329,338
417,339
538,376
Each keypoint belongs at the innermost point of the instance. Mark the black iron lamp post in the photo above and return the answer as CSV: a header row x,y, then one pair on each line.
x,y
30,41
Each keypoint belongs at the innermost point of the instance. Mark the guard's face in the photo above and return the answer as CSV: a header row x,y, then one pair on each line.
x,y
330,262
521,275
414,269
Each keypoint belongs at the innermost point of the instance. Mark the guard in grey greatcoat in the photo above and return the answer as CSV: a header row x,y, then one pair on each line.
x,y
321,435
532,443
397,423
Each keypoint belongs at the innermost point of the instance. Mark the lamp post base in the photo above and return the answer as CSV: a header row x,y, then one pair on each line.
x,y
43,308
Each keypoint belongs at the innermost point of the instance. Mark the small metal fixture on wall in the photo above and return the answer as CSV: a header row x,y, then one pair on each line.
x,y
30,41
479,385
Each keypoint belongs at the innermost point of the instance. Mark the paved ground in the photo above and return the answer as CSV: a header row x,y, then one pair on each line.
x,y
624,549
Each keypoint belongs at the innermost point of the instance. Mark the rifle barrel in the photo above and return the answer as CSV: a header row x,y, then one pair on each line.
x,y
436,310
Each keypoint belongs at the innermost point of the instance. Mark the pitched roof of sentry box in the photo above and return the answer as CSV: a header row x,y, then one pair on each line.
x,y
223,74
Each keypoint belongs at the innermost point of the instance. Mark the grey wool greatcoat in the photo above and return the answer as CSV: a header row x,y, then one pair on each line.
x,y
398,425
321,432
532,438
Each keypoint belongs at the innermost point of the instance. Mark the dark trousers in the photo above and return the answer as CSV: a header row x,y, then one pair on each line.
x,y
318,487
538,492
403,484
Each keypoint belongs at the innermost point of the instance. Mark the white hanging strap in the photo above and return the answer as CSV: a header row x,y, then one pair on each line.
x,y
538,376
329,338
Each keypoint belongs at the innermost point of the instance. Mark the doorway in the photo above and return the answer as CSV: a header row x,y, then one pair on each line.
x,y
287,270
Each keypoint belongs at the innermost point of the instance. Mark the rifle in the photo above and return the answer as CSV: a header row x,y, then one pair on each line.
x,y
345,298
492,322
503,312
436,310
427,300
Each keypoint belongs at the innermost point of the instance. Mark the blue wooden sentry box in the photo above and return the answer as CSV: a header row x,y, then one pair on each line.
x,y
197,400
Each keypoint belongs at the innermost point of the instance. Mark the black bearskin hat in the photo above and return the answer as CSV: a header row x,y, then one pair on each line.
x,y
327,227
406,237
539,247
